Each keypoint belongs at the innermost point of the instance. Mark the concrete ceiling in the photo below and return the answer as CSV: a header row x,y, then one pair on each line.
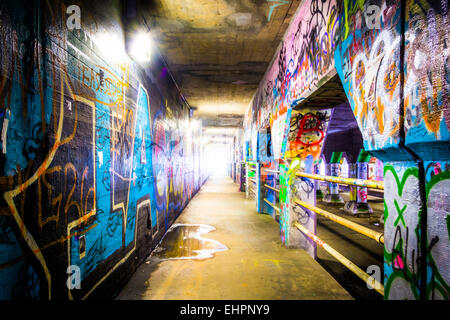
x,y
219,50
330,94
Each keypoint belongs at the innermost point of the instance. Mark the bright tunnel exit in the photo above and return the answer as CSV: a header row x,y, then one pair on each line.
x,y
218,158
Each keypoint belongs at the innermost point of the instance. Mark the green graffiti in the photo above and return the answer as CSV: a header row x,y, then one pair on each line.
x,y
295,164
283,184
401,184
363,156
350,8
400,213
399,274
397,253
435,179
437,282
336,157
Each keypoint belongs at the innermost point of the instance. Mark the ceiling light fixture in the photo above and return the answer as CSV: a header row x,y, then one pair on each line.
x,y
141,47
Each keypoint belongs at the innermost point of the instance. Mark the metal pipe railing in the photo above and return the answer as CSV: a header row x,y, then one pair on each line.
x,y
271,188
346,262
377,236
272,205
378,190
252,180
347,181
273,171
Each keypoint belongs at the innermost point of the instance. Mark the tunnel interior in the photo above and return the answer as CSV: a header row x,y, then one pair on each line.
x,y
326,119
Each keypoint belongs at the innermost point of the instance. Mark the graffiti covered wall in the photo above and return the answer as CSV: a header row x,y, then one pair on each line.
x,y
98,156
381,51
302,63
399,99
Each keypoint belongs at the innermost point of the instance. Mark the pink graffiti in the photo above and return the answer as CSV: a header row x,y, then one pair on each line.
x,y
437,168
362,194
398,262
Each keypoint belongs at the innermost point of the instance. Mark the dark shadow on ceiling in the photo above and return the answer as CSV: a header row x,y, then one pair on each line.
x,y
330,94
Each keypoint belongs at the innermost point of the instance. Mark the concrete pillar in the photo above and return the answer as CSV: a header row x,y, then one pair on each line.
x,y
352,193
269,179
306,190
362,167
233,171
291,212
416,227
289,234
259,194
333,195
242,176
360,204
319,192
247,181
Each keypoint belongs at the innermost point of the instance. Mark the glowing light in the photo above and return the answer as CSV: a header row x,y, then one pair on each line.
x,y
141,47
195,124
218,159
111,46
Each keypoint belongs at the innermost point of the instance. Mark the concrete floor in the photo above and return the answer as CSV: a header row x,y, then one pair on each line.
x,y
255,266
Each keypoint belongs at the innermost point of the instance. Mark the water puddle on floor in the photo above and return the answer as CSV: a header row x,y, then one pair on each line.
x,y
185,241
